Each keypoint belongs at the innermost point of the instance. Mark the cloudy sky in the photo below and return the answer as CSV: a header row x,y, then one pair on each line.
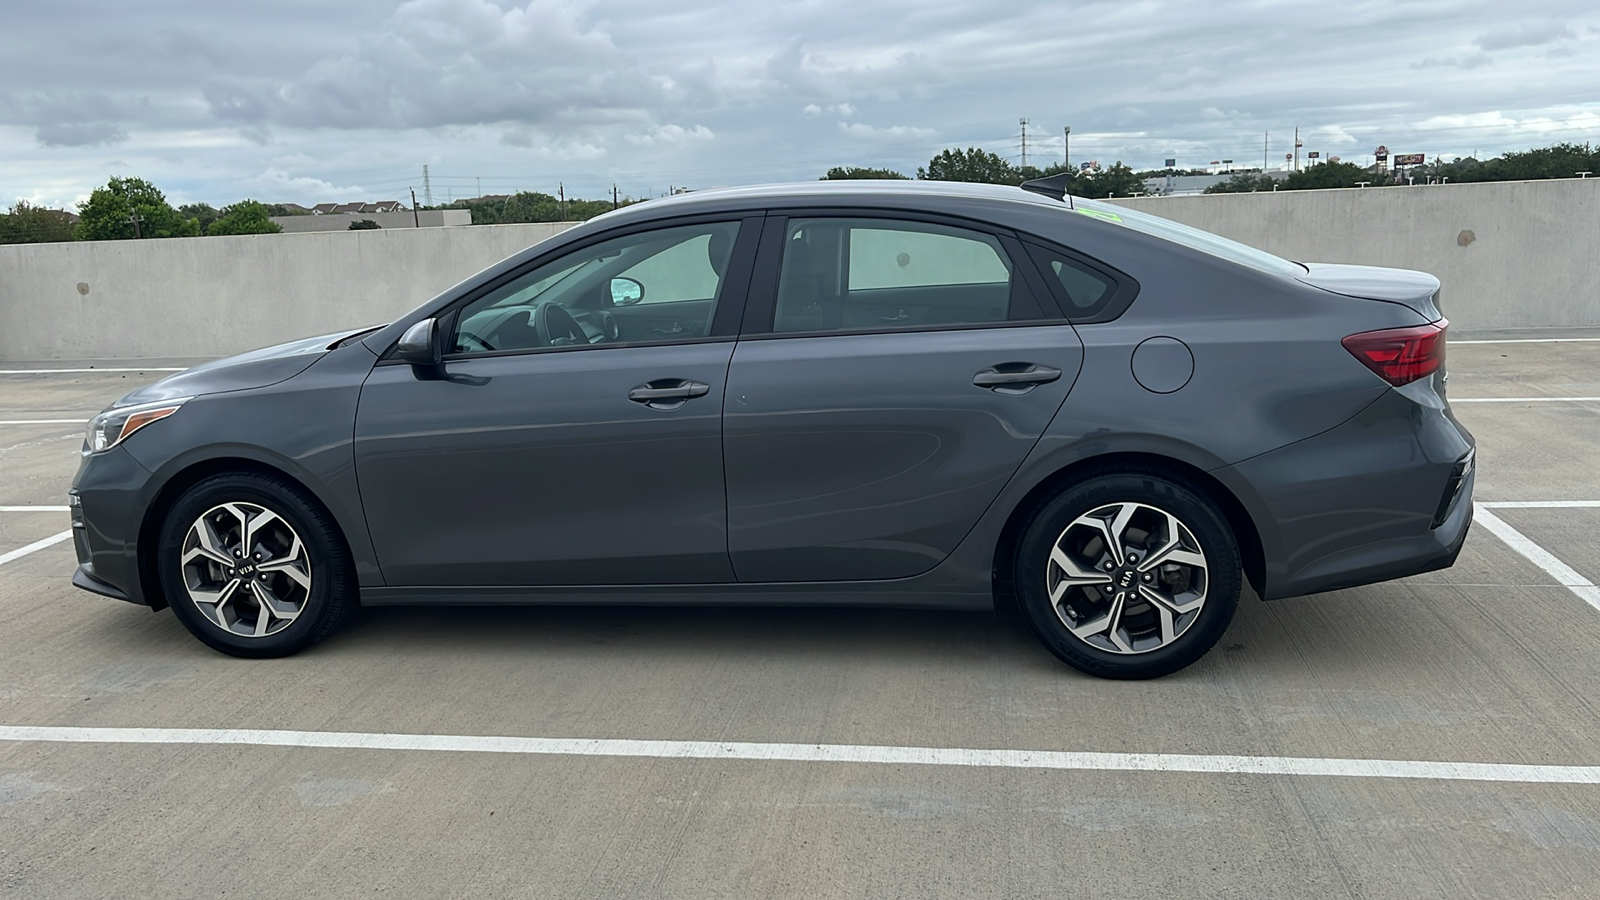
x,y
311,100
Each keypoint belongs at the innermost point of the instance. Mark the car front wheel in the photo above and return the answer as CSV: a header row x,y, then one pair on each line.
x,y
254,566
1128,575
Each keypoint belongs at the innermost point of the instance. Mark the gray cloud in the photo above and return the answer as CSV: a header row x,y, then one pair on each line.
x,y
81,134
309,100
1531,35
458,62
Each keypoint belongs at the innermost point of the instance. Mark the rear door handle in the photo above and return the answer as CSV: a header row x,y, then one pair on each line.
x,y
1015,374
668,393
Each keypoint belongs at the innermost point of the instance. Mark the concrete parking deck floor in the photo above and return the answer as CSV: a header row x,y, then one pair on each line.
x,y
1493,661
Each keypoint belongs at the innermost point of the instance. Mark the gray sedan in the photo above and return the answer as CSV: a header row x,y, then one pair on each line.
x,y
870,393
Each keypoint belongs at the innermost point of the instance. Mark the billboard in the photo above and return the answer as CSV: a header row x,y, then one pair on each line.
x,y
1382,153
1409,159
1171,163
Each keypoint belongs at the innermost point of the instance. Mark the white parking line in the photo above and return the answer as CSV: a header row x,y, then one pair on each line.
x,y
1525,399
1529,341
821,753
35,509
1555,568
1540,504
44,421
82,371
20,552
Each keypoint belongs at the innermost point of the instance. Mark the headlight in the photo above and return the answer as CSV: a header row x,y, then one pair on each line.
x,y
113,426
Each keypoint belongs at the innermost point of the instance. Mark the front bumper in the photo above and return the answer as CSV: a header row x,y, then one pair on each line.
x,y
107,512
1385,495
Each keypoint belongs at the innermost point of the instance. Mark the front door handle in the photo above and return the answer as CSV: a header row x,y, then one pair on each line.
x,y
1015,375
668,393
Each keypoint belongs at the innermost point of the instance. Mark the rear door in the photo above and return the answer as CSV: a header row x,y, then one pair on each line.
x,y
892,374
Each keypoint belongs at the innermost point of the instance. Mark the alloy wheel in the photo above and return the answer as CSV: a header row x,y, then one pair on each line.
x,y
246,569
1127,578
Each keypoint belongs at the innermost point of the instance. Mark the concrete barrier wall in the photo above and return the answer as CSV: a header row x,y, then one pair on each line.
x,y
214,296
1520,254
1511,255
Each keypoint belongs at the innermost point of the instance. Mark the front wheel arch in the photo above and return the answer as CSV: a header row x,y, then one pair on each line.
x,y
156,513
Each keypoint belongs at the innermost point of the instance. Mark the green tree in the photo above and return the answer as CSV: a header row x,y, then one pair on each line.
x,y
973,165
110,212
1243,183
1327,175
1116,181
244,217
29,224
847,173
202,213
1555,161
363,225
534,206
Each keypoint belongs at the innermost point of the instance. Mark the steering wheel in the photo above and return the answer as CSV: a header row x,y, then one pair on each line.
x,y
556,327
471,343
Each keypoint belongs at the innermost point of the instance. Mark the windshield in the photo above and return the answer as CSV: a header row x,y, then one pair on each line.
x,y
1193,238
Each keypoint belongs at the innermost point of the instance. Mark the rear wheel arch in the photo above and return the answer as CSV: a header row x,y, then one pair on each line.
x,y
1207,485
156,513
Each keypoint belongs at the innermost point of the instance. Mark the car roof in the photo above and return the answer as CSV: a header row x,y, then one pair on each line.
x,y
929,195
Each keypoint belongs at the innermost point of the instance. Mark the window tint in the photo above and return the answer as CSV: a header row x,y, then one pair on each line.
x,y
680,272
885,257
868,274
1084,291
653,286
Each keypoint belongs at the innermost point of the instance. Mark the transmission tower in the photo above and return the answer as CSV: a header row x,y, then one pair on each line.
x,y
427,186
1024,124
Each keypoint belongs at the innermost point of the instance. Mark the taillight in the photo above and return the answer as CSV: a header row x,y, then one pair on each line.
x,y
1400,355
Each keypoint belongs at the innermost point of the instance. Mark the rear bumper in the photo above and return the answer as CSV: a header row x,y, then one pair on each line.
x,y
1382,496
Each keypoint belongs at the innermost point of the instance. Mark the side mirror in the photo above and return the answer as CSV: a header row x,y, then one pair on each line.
x,y
419,346
626,292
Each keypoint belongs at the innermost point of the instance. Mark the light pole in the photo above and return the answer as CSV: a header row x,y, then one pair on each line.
x,y
1066,147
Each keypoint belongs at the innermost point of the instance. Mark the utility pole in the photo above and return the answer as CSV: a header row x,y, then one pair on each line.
x,y
1266,137
427,186
416,220
134,219
1296,148
1024,124
1066,147
479,179
614,203
562,189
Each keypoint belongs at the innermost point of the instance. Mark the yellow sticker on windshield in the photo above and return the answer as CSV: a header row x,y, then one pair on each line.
x,y
1098,214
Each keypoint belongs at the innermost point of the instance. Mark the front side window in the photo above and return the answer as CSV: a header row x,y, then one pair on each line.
x,y
881,274
654,286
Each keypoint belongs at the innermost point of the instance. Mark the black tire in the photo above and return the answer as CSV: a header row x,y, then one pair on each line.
x,y
332,592
1149,493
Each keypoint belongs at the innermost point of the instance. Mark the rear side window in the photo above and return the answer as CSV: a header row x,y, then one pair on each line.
x,y
1085,292
881,274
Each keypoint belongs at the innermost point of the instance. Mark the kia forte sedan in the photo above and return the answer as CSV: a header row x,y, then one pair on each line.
x,y
868,393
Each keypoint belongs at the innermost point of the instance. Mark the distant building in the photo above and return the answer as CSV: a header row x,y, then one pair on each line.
x,y
324,209
340,221
1182,185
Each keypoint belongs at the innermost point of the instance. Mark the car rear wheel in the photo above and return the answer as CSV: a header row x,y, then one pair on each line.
x,y
1128,575
254,566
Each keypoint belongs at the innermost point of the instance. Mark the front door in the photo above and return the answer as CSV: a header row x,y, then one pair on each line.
x,y
558,445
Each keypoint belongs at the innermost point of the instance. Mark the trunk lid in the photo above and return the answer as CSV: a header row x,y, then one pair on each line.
x,y
1417,290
